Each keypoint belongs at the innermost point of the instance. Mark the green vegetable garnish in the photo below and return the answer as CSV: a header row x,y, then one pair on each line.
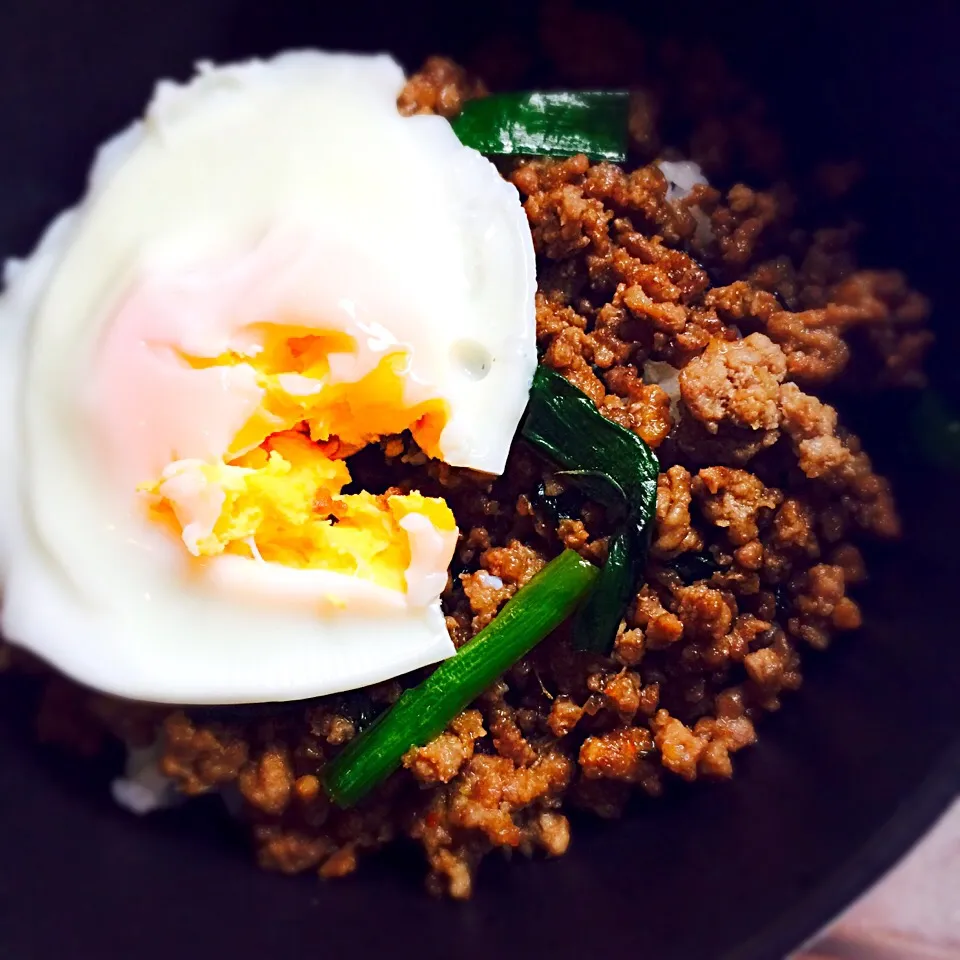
x,y
613,466
695,566
937,429
601,487
595,625
548,124
424,711
564,424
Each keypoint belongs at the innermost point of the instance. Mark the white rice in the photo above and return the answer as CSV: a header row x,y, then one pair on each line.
x,y
143,788
489,580
682,176
666,377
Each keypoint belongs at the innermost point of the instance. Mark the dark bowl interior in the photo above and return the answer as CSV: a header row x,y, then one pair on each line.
x,y
844,778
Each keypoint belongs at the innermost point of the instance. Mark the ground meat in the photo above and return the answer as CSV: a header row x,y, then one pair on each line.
x,y
200,758
333,728
739,227
441,86
822,605
674,533
893,315
814,349
441,759
288,851
794,528
553,833
680,748
486,593
514,564
491,803
824,455
734,500
705,325
628,648
764,667
624,694
645,407
508,739
735,382
704,612
878,302
617,755
850,560
564,716
661,628
267,782
729,731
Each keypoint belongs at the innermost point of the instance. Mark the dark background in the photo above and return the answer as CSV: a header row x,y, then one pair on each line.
x,y
844,778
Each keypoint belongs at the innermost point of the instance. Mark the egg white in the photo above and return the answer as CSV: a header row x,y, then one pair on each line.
x,y
307,138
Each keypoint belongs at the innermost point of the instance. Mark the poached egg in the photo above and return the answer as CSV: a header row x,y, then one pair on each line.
x,y
269,271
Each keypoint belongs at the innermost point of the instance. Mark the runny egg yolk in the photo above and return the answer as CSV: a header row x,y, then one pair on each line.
x,y
276,494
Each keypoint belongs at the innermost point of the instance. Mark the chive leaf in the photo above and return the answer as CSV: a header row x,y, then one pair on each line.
x,y
559,124
423,712
601,487
563,424
597,621
691,567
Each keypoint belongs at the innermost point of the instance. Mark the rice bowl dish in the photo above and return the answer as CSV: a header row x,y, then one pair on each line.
x,y
692,317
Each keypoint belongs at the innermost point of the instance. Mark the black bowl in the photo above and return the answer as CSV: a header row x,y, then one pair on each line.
x,y
845,777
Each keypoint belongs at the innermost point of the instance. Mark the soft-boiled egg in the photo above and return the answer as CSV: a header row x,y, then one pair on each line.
x,y
269,271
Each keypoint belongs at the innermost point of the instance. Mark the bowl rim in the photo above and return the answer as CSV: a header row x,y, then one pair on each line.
x,y
829,897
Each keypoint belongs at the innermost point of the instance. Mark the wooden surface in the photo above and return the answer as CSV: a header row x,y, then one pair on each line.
x,y
912,914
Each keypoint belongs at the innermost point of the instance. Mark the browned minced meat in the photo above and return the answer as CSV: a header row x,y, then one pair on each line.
x,y
762,494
